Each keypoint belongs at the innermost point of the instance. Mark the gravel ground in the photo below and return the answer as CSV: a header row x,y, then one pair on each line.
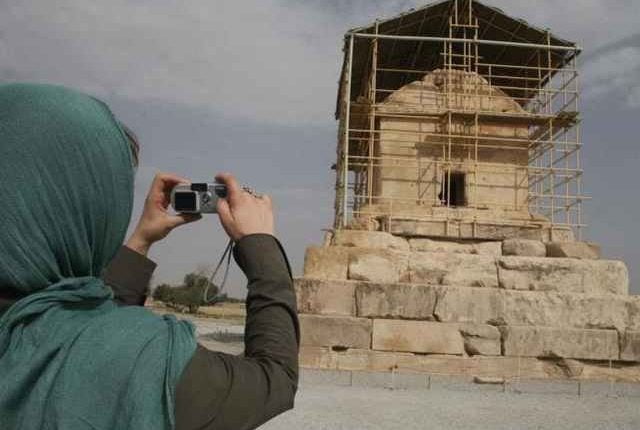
x,y
335,400
335,407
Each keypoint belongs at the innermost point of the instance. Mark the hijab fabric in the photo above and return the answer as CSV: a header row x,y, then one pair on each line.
x,y
70,358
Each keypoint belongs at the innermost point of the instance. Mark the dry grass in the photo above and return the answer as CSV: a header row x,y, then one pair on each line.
x,y
226,311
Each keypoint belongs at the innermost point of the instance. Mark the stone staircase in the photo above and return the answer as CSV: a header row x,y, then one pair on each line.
x,y
504,309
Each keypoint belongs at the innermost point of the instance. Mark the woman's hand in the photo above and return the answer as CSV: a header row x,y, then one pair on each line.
x,y
241,213
155,222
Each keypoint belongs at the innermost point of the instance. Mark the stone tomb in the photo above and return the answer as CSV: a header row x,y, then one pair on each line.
x,y
513,308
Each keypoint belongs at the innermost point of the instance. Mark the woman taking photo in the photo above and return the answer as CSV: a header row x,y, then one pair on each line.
x,y
75,350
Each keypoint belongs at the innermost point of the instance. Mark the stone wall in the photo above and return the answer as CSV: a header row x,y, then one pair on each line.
x,y
372,299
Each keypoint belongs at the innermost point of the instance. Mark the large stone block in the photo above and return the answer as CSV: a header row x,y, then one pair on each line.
x,y
480,339
581,250
502,232
563,275
518,368
493,248
473,305
369,239
416,336
630,346
378,265
454,230
560,342
395,301
335,331
326,262
565,310
498,307
633,312
560,234
326,298
524,248
453,269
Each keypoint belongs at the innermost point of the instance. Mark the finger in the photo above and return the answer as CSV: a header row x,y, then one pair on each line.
x,y
162,185
226,217
233,188
163,180
181,219
224,212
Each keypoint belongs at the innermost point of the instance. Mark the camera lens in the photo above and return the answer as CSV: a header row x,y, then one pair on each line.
x,y
185,201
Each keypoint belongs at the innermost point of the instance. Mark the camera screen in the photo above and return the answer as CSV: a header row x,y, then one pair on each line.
x,y
185,201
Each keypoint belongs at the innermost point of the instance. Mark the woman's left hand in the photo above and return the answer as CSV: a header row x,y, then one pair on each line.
x,y
155,222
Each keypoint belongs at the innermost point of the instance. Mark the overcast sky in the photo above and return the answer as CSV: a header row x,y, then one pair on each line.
x,y
249,86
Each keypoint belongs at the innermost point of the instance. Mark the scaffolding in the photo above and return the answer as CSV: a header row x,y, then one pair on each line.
x,y
494,57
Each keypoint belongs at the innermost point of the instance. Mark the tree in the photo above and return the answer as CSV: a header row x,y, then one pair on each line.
x,y
163,293
189,295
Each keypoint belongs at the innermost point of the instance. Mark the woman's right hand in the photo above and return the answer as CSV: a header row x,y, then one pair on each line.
x,y
241,213
156,222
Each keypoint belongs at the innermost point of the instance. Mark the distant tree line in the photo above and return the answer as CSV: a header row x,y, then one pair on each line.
x,y
189,295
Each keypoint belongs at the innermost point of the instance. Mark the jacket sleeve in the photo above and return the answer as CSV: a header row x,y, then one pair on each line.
x,y
221,391
128,274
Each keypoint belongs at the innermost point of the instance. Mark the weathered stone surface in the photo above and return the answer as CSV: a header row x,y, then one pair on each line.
x,y
326,298
453,269
369,239
560,234
326,262
563,275
496,307
493,248
502,232
433,228
581,250
335,331
633,313
572,368
524,248
480,339
328,238
560,342
488,380
565,310
395,301
377,265
630,346
367,223
416,336
482,366
474,305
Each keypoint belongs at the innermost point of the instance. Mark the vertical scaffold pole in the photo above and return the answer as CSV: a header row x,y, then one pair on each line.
x,y
345,150
372,117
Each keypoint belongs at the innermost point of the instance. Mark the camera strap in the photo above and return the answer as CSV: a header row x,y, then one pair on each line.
x,y
226,256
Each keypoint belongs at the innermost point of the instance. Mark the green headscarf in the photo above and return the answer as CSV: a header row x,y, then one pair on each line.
x,y
70,358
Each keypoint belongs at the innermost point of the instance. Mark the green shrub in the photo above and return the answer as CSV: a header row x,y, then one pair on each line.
x,y
189,295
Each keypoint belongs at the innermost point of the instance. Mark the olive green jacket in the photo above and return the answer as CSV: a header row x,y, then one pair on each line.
x,y
222,391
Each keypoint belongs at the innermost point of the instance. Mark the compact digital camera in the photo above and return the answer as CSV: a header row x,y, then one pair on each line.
x,y
197,197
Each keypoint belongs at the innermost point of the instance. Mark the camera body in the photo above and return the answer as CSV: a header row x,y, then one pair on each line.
x,y
197,198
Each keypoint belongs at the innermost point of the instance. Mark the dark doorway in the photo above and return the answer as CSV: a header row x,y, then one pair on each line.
x,y
452,192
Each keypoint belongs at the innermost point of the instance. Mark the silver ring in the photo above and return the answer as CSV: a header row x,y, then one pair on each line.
x,y
252,192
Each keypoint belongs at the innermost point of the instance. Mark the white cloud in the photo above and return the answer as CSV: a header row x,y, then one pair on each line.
x,y
616,73
252,59
264,60
633,99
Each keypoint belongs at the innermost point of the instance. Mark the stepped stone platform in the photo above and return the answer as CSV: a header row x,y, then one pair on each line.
x,y
502,309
